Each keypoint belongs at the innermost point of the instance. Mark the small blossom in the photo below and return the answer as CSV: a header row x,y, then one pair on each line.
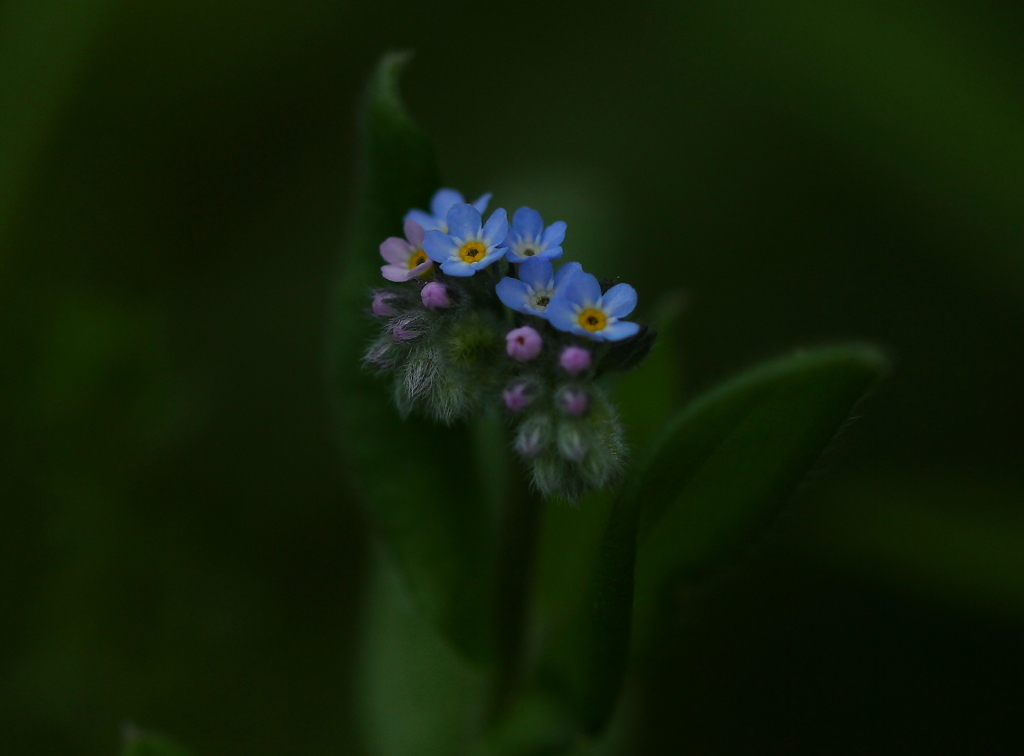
x,y
468,246
581,309
573,401
523,344
518,396
574,360
435,296
443,201
381,306
529,239
535,287
406,258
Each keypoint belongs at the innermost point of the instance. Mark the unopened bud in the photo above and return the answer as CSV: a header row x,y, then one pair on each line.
x,y
523,344
518,396
406,328
435,296
574,360
571,443
378,356
573,401
381,306
533,436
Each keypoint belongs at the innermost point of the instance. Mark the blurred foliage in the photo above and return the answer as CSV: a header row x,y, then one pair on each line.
x,y
179,544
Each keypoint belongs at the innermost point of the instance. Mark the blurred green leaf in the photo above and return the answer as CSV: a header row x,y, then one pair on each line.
x,y
424,502
956,540
43,46
416,695
732,459
147,744
724,467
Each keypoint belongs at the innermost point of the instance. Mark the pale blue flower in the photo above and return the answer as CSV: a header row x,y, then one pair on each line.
x,y
536,286
443,201
581,309
468,246
528,238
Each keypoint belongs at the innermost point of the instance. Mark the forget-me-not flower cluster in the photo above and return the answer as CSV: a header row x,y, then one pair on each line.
x,y
475,311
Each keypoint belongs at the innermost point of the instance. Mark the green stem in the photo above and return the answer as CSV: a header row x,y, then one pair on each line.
x,y
516,561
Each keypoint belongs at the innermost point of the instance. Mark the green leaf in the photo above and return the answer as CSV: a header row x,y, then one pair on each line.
x,y
415,694
418,480
147,744
730,461
46,45
723,468
953,539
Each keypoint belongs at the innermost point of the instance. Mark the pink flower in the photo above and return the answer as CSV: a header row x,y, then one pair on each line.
x,y
435,296
407,258
574,359
523,344
380,306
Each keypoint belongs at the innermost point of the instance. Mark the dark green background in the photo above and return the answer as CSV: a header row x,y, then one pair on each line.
x,y
178,547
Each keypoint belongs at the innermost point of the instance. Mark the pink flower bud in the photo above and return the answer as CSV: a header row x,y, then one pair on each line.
x,y
574,359
518,396
435,295
523,344
380,306
573,401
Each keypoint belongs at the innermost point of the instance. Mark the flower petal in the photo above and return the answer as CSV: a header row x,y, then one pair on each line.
x,y
554,234
457,268
396,251
480,203
439,246
496,228
426,220
397,273
536,272
464,222
561,314
414,233
495,253
581,289
514,294
619,300
420,269
443,201
528,223
619,330
551,253
565,271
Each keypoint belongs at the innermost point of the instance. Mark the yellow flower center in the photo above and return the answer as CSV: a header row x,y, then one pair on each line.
x,y
592,320
472,252
417,258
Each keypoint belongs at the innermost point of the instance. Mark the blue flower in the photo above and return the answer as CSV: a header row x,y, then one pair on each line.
x,y
528,238
580,308
536,286
443,201
468,246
